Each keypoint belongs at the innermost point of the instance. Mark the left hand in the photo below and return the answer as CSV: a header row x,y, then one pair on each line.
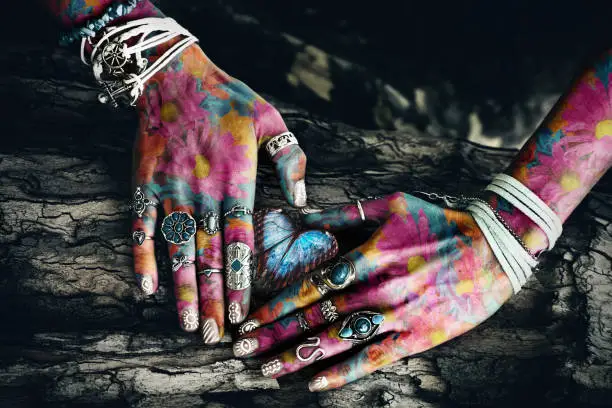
x,y
425,276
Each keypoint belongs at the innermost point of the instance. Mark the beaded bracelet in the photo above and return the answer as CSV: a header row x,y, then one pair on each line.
x,y
90,29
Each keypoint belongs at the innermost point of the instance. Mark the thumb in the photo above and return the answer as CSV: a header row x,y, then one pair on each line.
x,y
284,151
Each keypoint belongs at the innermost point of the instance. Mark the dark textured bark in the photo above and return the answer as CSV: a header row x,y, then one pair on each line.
x,y
76,331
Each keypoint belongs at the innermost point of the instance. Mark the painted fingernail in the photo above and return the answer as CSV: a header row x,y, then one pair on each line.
x,y
271,368
309,210
318,384
234,313
210,331
245,347
248,326
146,284
299,194
189,319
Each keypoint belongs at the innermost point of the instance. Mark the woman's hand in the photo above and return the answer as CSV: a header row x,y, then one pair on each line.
x,y
425,276
196,158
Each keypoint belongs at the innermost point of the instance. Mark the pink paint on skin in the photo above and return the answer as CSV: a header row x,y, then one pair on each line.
x,y
196,151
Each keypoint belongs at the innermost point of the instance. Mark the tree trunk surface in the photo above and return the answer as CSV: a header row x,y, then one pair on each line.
x,y
76,331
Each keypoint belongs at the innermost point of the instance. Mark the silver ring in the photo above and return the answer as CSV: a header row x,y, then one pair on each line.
x,y
275,144
140,202
317,354
139,237
335,276
208,272
238,266
178,227
361,326
271,368
361,213
238,211
301,318
178,261
210,223
329,311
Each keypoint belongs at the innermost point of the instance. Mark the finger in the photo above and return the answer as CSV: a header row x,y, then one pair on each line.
x,y
282,147
371,358
179,229
209,269
238,257
386,295
290,162
334,276
343,335
356,214
143,246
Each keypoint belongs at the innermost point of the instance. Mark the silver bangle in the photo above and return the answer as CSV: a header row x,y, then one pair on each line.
x,y
361,213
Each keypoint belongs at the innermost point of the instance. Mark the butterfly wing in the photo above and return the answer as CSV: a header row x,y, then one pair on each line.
x,y
271,228
307,251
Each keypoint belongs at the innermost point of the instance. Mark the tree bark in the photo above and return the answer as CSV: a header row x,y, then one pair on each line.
x,y
76,330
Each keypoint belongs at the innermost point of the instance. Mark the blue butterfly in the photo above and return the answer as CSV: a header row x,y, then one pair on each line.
x,y
285,254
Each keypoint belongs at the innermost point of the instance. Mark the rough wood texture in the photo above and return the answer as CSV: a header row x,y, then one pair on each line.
x,y
76,331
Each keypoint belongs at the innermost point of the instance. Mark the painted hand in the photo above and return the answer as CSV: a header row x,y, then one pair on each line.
x,y
196,159
425,276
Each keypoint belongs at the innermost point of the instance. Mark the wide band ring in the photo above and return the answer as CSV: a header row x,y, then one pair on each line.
x,y
361,326
334,276
139,237
178,227
178,261
140,202
209,223
278,142
238,266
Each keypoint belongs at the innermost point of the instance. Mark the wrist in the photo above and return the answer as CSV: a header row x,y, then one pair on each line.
x,y
74,13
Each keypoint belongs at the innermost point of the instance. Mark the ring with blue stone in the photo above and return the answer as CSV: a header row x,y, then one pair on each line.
x,y
178,228
238,266
335,276
361,326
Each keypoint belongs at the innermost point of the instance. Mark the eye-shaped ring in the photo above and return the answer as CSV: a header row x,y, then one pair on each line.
x,y
361,326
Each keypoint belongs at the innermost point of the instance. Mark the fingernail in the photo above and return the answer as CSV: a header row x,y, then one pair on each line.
x,y
308,210
299,194
245,347
271,368
234,313
189,319
318,384
248,326
146,284
210,331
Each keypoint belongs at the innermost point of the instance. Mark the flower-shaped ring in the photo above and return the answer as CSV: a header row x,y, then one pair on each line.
x,y
178,228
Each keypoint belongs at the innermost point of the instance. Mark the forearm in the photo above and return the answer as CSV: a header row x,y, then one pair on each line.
x,y
74,13
569,152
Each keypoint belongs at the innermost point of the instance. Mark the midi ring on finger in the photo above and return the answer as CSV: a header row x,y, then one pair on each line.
x,y
361,326
278,142
179,261
208,272
140,202
335,276
238,266
178,227
210,223
139,237
238,211
329,311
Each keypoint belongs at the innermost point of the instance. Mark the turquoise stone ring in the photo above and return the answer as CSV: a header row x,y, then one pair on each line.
x,y
178,227
361,326
335,276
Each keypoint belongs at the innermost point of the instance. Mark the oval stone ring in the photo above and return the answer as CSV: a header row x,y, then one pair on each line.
x,y
210,223
178,227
